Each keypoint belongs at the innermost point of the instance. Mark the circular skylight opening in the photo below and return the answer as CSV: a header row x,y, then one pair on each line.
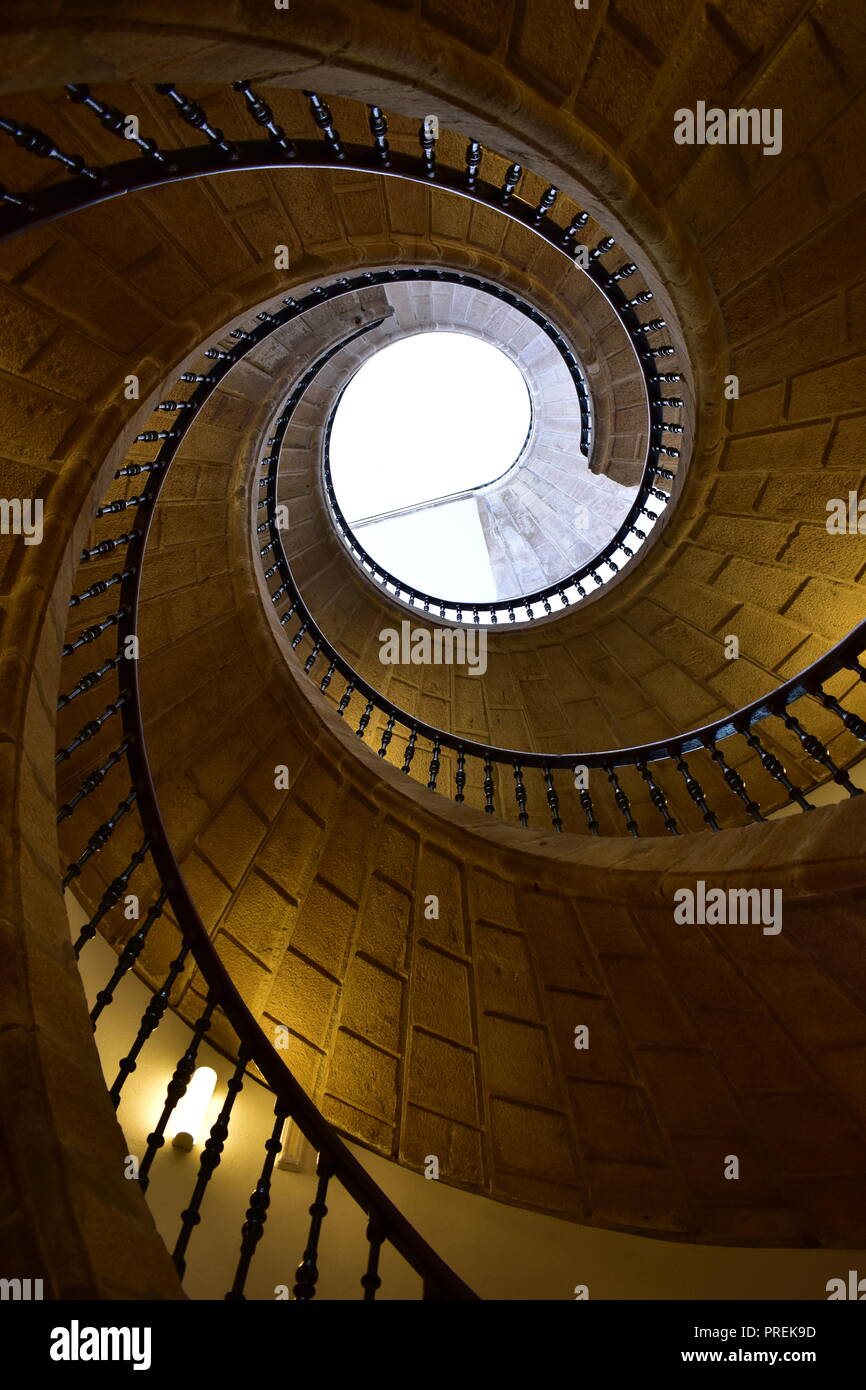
x,y
423,426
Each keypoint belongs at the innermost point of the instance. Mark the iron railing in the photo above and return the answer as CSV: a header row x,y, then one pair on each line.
x,y
90,184
566,590
223,1003
669,752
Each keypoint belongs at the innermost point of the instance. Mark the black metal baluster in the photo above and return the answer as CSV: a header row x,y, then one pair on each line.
x,y
488,785
370,1281
99,587
548,199
175,1090
37,142
99,839
576,224
695,790
460,776
427,141
110,897
108,545
89,784
606,244
326,678
622,802
151,436
257,1211
473,163
89,730
263,115
552,800
346,697
815,749
311,659
379,130
733,779
387,734
434,766
853,723
15,200
193,114
510,182
115,122
365,718
91,634
302,630
150,1020
520,794
322,116
410,749
658,799
127,958
651,326
776,769
586,801
308,1273
210,1160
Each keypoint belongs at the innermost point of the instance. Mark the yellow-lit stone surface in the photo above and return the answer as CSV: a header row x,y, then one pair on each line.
x,y
703,1040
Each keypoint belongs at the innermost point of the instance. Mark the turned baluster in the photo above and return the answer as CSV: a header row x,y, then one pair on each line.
x,y
695,790
434,766
410,749
308,1273
520,794
552,800
622,801
658,799
460,776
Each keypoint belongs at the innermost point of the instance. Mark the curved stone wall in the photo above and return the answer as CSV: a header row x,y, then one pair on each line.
x,y
432,970
763,245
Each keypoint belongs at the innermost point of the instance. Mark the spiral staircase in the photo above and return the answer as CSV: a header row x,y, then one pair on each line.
x,y
195,644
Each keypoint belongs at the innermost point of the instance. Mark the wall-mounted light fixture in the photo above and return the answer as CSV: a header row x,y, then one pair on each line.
x,y
292,1152
189,1114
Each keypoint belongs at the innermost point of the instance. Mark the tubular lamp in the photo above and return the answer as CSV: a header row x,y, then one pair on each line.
x,y
189,1114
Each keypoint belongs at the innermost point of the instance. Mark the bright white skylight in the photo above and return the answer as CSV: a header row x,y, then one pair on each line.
x,y
426,417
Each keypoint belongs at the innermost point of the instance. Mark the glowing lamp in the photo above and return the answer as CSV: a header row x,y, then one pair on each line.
x,y
189,1114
